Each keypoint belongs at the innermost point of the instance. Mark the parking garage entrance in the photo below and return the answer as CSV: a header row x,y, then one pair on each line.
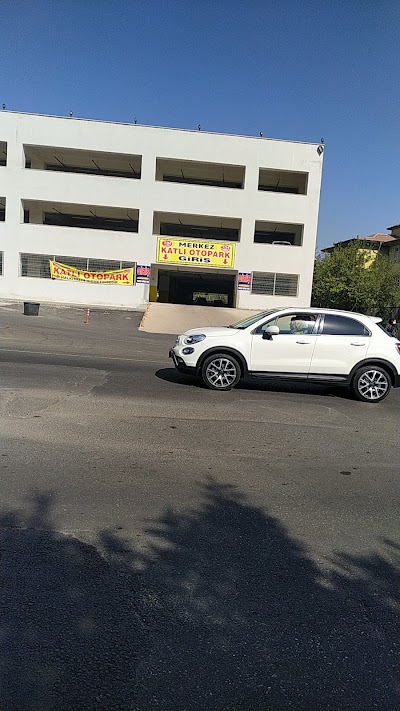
x,y
199,288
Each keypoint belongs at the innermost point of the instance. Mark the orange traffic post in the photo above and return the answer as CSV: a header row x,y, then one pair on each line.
x,y
87,319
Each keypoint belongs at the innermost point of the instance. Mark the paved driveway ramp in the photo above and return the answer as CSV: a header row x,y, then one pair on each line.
x,y
176,319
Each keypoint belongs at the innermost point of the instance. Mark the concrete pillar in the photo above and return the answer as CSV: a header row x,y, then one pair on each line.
x,y
36,214
247,230
251,178
37,164
15,155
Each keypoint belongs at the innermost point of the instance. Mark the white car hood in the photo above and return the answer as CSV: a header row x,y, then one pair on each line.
x,y
216,331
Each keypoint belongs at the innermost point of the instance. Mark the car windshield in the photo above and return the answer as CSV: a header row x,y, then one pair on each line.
x,y
250,320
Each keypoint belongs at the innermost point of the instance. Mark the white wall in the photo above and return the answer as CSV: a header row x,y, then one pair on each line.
x,y
148,195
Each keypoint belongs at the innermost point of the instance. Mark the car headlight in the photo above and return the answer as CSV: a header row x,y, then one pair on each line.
x,y
194,339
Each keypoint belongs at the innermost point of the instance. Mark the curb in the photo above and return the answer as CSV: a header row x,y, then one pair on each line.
x,y
141,325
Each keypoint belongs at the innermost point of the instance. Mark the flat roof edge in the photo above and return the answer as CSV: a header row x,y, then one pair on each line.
x,y
162,128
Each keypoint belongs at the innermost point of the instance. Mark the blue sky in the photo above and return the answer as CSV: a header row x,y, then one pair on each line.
x,y
295,69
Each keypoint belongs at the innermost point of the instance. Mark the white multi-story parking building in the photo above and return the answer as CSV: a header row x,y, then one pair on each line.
x,y
102,196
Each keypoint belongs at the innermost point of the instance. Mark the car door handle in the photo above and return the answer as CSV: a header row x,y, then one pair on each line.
x,y
354,343
304,343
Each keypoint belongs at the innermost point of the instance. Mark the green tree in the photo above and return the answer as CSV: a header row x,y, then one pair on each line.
x,y
346,279
385,286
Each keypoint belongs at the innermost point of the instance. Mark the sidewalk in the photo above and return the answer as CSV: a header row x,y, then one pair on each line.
x,y
176,318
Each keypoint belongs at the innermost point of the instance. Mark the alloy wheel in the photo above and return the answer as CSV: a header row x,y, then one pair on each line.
x,y
221,373
373,385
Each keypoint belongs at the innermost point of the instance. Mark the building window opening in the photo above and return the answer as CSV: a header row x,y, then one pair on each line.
x,y
91,217
67,160
3,153
216,175
278,233
271,284
282,181
2,209
93,222
1,263
197,227
195,289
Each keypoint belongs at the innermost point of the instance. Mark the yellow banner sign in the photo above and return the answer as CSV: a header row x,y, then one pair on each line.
x,y
195,253
66,273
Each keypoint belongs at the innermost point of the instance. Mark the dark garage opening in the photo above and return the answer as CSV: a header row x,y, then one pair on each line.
x,y
195,288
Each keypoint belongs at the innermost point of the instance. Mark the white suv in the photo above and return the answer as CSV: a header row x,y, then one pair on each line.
x,y
316,345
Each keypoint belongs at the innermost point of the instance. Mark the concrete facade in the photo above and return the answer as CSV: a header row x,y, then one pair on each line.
x,y
33,185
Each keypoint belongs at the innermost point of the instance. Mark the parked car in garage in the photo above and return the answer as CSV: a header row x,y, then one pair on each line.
x,y
314,345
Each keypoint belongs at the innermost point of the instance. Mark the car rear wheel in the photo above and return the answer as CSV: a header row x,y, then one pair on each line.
x,y
220,371
371,384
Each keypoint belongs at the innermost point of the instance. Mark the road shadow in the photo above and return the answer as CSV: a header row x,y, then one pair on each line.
x,y
223,611
171,375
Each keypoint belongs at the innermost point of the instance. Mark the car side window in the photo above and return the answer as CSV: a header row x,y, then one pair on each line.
x,y
292,324
343,326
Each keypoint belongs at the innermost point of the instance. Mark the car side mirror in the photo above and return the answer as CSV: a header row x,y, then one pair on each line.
x,y
270,331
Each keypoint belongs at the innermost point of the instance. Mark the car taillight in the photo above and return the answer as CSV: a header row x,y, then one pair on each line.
x,y
398,346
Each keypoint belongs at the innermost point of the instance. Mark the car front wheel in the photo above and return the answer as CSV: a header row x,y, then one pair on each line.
x,y
220,372
371,384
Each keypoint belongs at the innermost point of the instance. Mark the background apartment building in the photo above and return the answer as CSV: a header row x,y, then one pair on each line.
x,y
101,196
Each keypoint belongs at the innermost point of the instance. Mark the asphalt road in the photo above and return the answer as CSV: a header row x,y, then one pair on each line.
x,y
168,547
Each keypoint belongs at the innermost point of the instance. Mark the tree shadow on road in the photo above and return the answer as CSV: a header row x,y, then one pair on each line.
x,y
222,611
